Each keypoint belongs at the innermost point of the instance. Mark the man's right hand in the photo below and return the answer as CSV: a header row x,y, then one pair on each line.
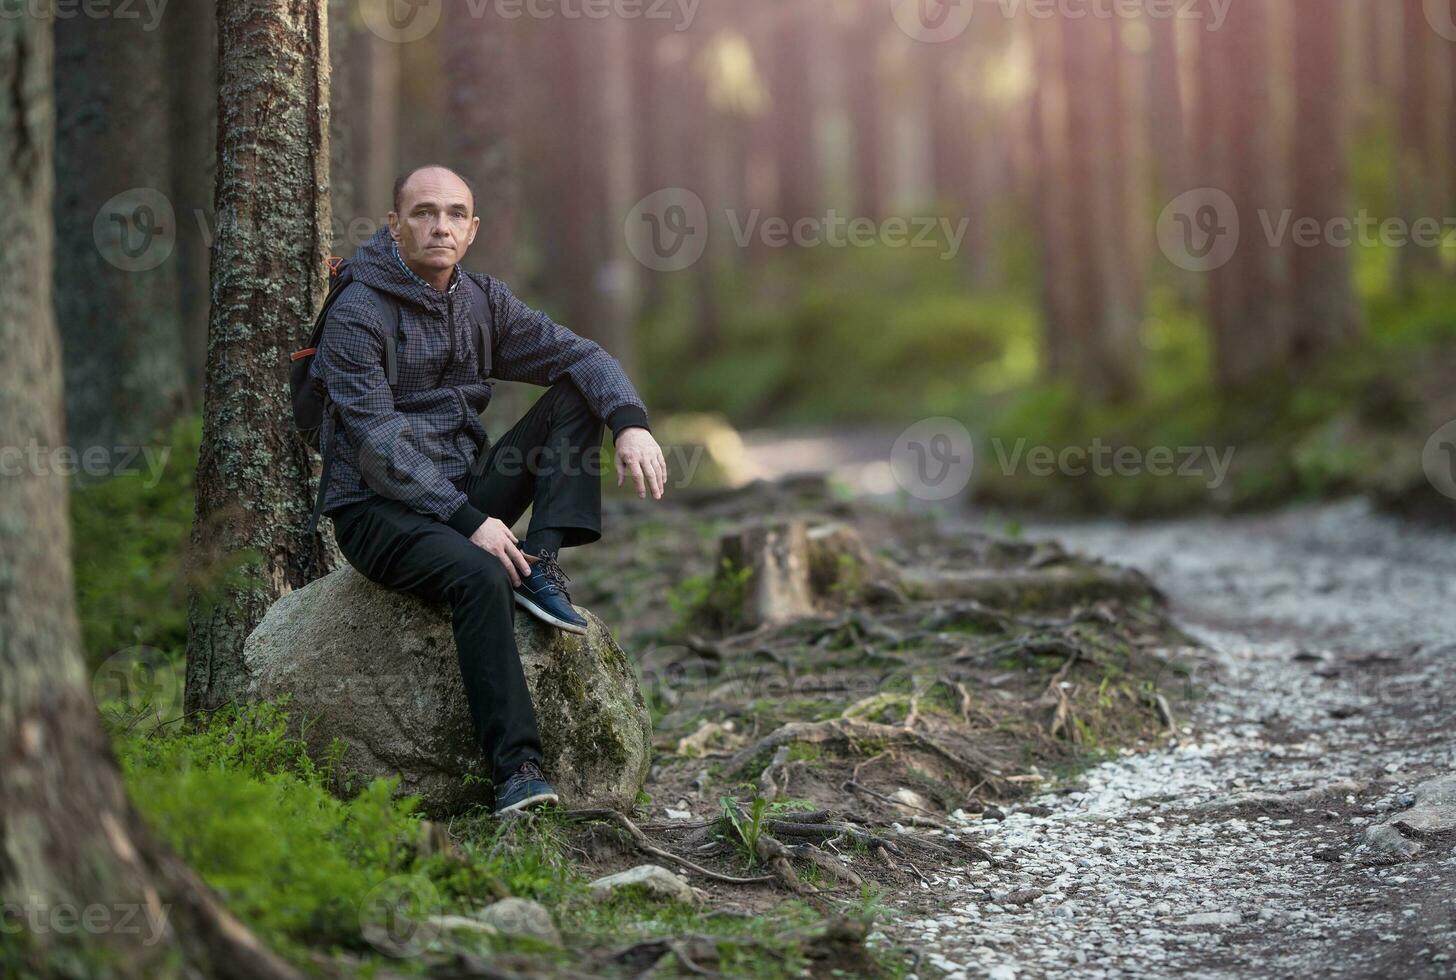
x,y
496,538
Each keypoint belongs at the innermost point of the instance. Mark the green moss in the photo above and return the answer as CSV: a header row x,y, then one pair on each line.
x,y
129,544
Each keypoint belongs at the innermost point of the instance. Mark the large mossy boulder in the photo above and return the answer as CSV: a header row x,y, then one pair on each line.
x,y
378,671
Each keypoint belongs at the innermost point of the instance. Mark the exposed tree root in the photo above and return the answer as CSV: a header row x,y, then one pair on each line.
x,y
647,847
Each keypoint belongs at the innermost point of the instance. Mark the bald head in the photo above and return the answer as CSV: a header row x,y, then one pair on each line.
x,y
436,172
433,222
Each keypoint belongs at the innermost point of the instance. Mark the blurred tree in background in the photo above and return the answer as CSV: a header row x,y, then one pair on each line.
x,y
1143,218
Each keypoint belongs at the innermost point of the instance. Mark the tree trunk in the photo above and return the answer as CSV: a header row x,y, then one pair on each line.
x,y
116,232
792,112
255,474
861,45
956,174
68,835
1165,108
344,144
1099,315
651,148
191,31
480,65
480,60
1419,153
1323,308
379,151
1049,200
1247,308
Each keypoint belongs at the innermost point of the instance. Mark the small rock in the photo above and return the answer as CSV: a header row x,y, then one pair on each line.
x,y
1213,919
520,918
1434,811
993,813
673,814
461,927
653,879
1021,896
1384,844
1036,810
910,801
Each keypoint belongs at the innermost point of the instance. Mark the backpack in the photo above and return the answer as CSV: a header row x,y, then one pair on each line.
x,y
313,413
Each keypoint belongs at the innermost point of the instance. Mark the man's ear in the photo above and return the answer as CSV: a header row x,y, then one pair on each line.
x,y
474,230
394,225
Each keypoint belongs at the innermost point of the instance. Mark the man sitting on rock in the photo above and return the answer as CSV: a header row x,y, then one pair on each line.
x,y
421,502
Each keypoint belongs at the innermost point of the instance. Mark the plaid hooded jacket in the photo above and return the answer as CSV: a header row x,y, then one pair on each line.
x,y
413,443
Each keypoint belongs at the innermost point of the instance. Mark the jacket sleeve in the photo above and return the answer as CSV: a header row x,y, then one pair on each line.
x,y
531,347
391,463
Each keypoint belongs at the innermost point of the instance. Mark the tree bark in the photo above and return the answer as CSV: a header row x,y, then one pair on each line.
x,y
1095,320
117,301
1323,312
255,474
1419,148
191,40
1165,108
861,46
68,835
792,112
479,61
345,143
1246,298
958,173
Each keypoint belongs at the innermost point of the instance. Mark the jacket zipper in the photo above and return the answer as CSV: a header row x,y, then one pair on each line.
x,y
450,329
459,395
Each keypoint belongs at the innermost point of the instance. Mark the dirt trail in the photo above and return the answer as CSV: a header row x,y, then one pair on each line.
x,y
1333,634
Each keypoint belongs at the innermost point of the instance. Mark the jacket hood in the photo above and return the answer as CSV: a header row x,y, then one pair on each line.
x,y
376,264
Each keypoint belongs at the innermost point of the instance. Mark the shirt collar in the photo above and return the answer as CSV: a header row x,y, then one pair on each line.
x,y
454,275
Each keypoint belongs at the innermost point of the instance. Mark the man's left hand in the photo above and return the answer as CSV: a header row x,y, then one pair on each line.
x,y
639,454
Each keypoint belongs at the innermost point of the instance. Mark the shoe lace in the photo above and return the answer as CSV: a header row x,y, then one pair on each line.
x,y
553,573
529,770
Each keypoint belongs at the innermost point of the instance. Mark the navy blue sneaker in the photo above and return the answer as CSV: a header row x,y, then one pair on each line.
x,y
543,594
527,789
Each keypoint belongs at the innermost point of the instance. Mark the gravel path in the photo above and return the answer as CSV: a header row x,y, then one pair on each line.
x,y
1236,850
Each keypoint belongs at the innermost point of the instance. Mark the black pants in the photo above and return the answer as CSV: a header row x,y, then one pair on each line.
x,y
549,459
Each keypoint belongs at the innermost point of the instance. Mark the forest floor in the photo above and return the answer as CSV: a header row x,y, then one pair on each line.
x,y
1271,834
1235,849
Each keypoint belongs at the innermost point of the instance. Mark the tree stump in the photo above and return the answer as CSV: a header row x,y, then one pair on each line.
x,y
799,569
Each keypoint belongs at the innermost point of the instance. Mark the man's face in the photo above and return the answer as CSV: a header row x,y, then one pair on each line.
x,y
436,222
